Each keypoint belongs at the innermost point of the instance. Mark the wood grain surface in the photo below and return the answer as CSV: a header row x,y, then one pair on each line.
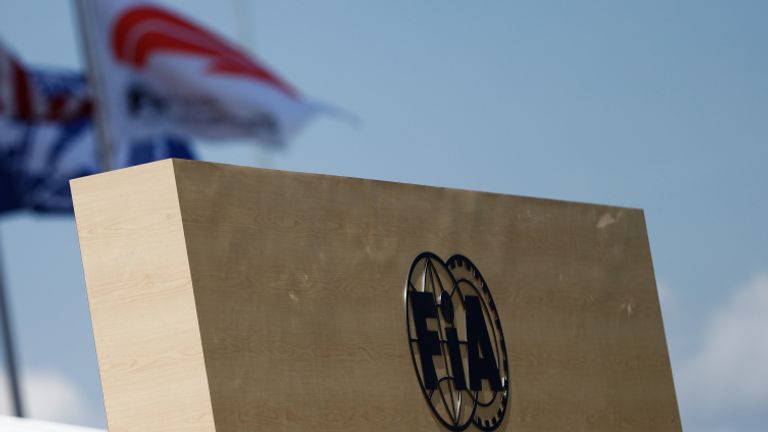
x,y
141,300
297,282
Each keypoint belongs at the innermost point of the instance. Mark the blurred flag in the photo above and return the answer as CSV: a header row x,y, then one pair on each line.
x,y
25,95
37,160
160,72
43,147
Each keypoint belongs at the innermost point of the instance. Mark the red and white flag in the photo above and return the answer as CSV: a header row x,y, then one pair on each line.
x,y
157,71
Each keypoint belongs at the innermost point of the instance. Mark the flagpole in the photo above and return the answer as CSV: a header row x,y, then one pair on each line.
x,y
96,83
245,36
8,346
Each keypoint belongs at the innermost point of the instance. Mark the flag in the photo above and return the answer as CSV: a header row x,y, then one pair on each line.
x,y
41,96
42,149
37,160
158,71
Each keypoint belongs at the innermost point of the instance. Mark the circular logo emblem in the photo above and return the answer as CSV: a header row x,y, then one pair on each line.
x,y
456,342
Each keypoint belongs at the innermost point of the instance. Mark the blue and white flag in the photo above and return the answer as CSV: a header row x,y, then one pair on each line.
x,y
39,157
44,95
37,160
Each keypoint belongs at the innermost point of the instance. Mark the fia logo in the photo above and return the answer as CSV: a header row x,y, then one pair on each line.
x,y
456,342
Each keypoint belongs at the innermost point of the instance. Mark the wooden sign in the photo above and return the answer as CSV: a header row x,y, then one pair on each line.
x,y
234,299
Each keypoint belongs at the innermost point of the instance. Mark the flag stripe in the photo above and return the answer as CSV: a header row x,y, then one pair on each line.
x,y
144,30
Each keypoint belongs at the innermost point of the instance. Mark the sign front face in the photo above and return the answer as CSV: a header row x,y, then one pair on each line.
x,y
328,303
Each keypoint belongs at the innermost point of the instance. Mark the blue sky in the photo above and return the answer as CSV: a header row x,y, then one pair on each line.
x,y
656,104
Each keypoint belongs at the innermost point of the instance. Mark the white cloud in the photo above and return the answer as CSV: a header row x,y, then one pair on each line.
x,y
728,375
667,299
48,395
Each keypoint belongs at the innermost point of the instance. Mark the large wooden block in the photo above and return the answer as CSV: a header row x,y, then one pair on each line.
x,y
235,299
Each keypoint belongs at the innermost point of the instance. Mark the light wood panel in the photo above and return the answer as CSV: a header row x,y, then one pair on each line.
x,y
141,300
297,282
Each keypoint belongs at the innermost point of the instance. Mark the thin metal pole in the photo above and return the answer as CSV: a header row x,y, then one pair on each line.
x,y
245,34
247,39
95,79
8,346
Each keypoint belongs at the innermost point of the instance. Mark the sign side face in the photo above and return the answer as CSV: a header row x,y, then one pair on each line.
x,y
329,303
141,301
